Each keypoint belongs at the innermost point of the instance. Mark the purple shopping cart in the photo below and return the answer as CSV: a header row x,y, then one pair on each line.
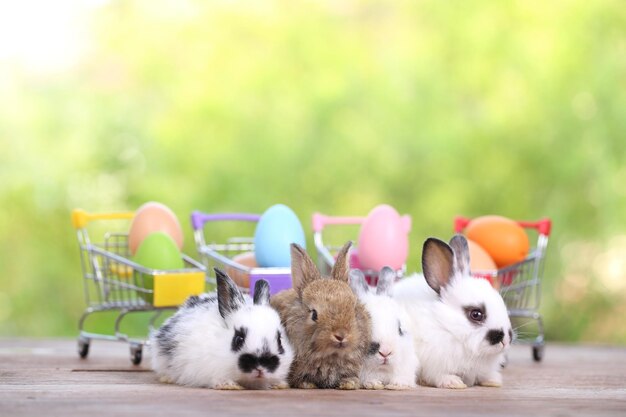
x,y
235,256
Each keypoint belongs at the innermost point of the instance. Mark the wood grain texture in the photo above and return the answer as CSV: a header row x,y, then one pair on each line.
x,y
46,377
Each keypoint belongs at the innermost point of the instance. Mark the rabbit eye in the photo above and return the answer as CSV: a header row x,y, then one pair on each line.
x,y
279,341
239,339
314,315
476,315
400,332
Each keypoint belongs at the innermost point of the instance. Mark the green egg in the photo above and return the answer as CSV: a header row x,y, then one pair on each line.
x,y
157,251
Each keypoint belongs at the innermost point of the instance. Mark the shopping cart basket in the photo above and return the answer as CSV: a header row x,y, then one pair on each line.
x,y
113,282
520,284
225,255
327,249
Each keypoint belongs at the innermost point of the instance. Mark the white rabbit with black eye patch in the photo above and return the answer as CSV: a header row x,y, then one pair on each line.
x,y
391,362
460,323
224,340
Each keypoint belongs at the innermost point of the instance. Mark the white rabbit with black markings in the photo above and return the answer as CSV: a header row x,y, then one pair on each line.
x,y
391,362
460,323
224,340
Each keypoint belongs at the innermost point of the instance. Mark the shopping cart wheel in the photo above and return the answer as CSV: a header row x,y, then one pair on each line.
x,y
538,352
135,353
83,347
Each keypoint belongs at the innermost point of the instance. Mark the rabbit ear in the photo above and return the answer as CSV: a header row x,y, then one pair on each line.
x,y
229,297
261,292
303,270
459,246
437,263
357,282
386,277
341,268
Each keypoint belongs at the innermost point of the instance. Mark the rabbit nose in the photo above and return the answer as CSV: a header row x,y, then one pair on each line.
x,y
384,354
494,336
339,337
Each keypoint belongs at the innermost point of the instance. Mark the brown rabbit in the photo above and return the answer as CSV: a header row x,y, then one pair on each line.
x,y
327,325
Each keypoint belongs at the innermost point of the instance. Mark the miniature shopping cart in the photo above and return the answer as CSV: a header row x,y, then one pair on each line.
x,y
113,282
520,285
236,255
328,247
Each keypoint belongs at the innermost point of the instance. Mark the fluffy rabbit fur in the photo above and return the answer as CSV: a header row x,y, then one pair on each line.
x,y
391,362
460,324
329,328
224,340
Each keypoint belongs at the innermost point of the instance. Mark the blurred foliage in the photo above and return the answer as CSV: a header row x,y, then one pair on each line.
x,y
438,108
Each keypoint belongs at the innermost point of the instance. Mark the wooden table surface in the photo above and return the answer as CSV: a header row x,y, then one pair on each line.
x,y
46,378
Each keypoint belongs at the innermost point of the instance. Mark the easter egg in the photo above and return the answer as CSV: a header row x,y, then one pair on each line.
x,y
384,238
480,260
503,239
153,217
276,230
242,278
157,251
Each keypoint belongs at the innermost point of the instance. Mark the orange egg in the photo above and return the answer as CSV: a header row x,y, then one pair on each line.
x,y
480,260
242,278
153,217
503,239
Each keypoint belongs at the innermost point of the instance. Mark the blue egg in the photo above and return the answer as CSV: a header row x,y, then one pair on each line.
x,y
276,230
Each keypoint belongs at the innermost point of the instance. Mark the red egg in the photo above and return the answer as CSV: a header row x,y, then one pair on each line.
x,y
503,239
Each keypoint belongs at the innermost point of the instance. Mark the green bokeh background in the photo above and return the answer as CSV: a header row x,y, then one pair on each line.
x,y
438,108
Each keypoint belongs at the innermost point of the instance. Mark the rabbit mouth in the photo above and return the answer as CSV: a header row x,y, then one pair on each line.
x,y
340,345
258,373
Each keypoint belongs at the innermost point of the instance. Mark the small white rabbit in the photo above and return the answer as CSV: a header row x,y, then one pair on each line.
x,y
224,340
460,323
391,362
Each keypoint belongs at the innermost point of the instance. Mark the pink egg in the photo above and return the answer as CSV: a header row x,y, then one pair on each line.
x,y
384,238
154,217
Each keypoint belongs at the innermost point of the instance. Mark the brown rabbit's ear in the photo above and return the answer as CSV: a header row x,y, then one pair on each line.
x,y
341,268
437,263
303,270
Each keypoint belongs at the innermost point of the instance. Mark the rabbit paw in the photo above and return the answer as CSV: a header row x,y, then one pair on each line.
x,y
307,385
280,385
451,381
349,383
374,384
492,380
229,385
165,380
492,384
398,387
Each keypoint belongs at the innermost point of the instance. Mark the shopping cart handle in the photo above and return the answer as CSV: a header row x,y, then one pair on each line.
x,y
80,218
543,226
198,218
320,221
460,223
